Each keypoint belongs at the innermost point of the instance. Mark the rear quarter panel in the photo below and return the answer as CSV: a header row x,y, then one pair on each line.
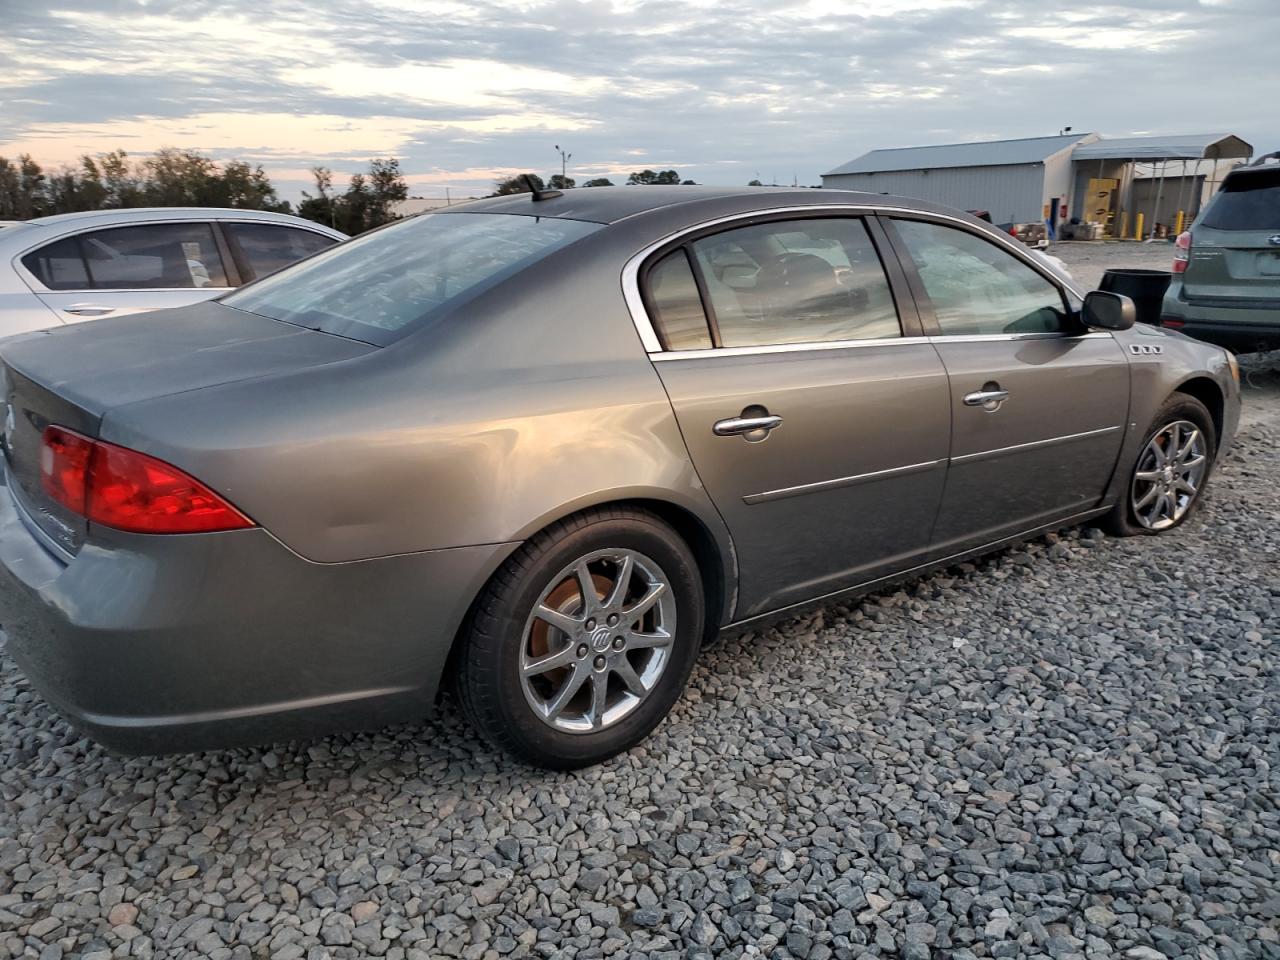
x,y
535,401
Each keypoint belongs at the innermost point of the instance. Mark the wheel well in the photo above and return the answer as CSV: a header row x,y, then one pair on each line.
x,y
1210,394
706,553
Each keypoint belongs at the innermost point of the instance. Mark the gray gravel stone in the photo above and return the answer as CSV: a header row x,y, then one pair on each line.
x,y
1064,750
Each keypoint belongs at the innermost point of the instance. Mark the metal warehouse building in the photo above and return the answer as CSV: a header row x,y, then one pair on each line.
x,y
1049,178
1012,179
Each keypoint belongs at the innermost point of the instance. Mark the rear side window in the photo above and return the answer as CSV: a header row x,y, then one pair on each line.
x,y
796,281
386,283
264,248
977,288
675,304
1247,202
158,256
59,265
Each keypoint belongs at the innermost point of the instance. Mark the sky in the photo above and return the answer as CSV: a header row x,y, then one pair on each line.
x,y
466,92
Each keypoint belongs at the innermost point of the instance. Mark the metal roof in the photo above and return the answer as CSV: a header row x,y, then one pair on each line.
x,y
1189,146
987,153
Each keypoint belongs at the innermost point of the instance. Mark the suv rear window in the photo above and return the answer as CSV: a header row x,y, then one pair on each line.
x,y
383,285
1247,201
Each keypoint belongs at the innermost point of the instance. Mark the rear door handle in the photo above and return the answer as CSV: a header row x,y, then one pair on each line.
x,y
88,310
989,397
753,428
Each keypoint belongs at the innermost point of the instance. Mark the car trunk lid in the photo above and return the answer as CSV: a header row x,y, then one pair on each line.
x,y
72,376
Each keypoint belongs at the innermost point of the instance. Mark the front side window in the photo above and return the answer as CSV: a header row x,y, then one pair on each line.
x,y
384,284
154,256
796,281
976,288
264,248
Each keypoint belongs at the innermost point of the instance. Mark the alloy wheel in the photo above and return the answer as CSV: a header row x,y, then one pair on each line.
x,y
598,640
1169,475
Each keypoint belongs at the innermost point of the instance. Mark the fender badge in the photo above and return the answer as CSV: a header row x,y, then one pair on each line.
x,y
1145,349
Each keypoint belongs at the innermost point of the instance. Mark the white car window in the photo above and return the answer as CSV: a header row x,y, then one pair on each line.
x,y
155,256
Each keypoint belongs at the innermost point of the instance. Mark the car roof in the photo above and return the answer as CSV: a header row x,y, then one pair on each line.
x,y
125,214
611,204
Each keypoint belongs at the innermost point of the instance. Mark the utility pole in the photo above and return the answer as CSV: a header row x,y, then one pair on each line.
x,y
564,163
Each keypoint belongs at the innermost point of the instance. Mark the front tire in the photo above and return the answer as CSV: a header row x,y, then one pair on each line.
x,y
1167,481
582,642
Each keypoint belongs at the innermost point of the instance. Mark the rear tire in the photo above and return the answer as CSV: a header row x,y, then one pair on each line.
x,y
1164,486
560,678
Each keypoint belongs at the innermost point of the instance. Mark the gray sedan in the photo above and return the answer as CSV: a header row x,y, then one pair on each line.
x,y
543,446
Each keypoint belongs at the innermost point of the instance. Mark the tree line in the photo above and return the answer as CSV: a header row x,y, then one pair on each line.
x,y
520,182
184,178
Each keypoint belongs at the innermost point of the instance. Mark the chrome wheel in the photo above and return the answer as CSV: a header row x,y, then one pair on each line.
x,y
597,641
1169,475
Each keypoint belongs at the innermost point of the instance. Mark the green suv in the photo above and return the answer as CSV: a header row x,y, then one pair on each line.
x,y
1226,268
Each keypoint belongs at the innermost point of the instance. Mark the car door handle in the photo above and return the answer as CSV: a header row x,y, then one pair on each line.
x,y
736,425
88,310
986,398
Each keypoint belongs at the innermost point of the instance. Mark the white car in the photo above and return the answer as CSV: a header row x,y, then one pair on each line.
x,y
103,263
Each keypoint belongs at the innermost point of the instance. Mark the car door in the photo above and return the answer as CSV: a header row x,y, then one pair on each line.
x,y
128,269
1039,403
818,428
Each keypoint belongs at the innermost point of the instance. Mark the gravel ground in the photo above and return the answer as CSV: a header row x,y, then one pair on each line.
x,y
1069,749
1088,261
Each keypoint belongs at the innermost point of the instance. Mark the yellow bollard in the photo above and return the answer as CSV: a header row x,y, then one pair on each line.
x,y
1137,230
1124,225
1177,230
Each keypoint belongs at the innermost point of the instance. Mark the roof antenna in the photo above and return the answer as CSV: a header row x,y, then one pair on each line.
x,y
539,194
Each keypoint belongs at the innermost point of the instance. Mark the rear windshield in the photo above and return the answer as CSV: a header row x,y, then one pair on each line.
x,y
1247,202
381,286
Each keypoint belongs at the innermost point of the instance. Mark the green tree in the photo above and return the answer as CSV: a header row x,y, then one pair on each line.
x,y
560,182
650,177
321,208
121,180
755,183
599,182
386,188
517,184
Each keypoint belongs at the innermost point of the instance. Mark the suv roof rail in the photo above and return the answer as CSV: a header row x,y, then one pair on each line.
x,y
1273,156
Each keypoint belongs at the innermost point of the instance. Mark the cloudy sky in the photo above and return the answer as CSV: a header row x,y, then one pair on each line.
x,y
463,92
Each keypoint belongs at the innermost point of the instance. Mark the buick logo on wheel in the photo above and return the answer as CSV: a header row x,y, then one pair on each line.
x,y
1274,240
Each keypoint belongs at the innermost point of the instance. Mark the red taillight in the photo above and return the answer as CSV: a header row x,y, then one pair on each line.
x,y
1181,251
128,490
1013,231
1166,322
64,467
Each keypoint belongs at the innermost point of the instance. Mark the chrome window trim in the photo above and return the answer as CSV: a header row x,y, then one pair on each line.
x,y
1047,442
665,356
805,347
653,346
784,492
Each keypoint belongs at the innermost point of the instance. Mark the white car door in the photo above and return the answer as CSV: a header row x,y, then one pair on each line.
x,y
128,269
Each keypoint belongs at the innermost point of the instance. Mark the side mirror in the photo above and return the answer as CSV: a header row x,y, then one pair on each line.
x,y
1109,311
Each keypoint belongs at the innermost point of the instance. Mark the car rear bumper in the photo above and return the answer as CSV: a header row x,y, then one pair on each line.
x,y
1241,326
156,644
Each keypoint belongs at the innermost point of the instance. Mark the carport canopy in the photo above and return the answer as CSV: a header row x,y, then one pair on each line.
x,y
1201,146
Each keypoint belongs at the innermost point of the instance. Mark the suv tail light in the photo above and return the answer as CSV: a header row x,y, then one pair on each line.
x,y
1181,251
128,490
